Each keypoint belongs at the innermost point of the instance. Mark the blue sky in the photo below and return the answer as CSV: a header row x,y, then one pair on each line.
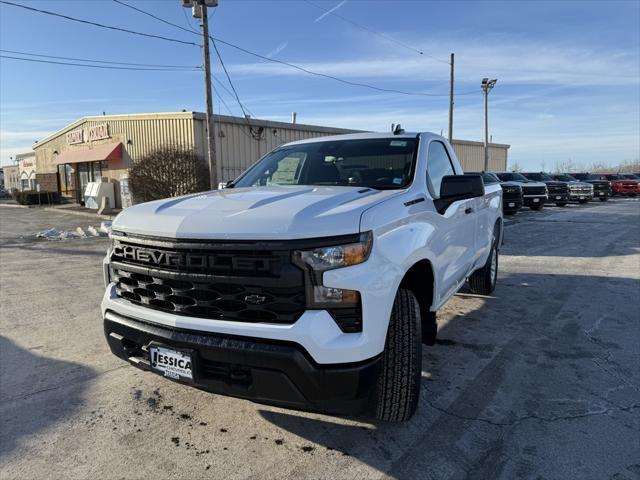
x,y
568,72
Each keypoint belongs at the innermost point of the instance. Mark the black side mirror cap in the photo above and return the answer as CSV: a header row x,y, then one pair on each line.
x,y
459,187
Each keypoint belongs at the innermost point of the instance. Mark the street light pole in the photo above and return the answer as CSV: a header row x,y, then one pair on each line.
x,y
487,85
200,11
451,100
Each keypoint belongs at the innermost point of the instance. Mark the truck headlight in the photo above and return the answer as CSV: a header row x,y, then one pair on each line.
x,y
318,260
338,256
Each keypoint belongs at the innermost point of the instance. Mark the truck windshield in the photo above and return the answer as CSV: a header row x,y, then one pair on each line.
x,y
380,163
585,176
564,178
512,177
538,177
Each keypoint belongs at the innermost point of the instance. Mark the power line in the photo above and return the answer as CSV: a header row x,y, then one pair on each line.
x,y
244,50
106,67
185,67
95,24
263,57
371,30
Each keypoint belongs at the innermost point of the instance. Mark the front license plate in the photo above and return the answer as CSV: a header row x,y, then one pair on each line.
x,y
558,197
512,204
171,363
536,200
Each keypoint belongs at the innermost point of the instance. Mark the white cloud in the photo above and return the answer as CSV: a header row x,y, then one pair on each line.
x,y
511,63
277,50
330,11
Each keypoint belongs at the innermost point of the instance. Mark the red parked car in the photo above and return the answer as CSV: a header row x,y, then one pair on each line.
x,y
621,185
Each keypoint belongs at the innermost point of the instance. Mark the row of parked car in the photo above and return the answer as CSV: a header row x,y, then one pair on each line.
x,y
535,189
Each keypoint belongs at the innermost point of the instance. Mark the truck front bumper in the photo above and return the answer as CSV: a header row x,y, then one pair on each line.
x,y
265,371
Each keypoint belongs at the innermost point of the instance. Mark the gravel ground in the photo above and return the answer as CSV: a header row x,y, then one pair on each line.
x,y
541,380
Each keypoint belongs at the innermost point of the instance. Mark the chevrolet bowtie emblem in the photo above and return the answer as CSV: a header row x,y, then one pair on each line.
x,y
255,299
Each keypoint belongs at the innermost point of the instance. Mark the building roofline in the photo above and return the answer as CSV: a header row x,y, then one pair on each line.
x,y
471,142
256,122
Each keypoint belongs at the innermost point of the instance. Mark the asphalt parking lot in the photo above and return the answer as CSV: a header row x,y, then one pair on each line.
x,y
541,380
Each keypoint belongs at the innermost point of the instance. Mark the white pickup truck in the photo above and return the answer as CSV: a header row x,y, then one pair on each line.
x,y
312,281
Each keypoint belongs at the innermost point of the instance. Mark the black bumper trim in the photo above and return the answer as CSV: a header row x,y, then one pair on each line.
x,y
278,373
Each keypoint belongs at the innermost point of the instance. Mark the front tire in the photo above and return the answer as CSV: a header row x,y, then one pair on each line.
x,y
583,201
604,199
398,387
483,281
561,204
537,207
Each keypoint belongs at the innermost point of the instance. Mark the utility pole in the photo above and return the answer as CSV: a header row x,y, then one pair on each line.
x,y
487,85
200,11
451,101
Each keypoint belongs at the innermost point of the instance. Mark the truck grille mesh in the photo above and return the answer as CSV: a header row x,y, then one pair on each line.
x,y
268,290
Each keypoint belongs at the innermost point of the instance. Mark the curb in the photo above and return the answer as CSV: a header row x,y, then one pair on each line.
x,y
82,214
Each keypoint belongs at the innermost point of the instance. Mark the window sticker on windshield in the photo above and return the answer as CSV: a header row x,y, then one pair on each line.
x,y
397,181
397,143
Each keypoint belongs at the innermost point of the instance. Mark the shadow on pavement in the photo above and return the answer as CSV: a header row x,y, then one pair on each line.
x,y
25,408
511,362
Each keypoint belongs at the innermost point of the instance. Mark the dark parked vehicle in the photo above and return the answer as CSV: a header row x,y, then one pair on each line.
x,y
601,188
511,192
581,192
559,192
534,194
631,176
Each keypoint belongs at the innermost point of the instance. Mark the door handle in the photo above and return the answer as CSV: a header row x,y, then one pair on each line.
x,y
468,210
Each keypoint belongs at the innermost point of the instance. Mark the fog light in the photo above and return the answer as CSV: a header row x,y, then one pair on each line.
x,y
334,296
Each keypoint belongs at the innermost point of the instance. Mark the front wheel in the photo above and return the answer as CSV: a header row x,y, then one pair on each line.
x,y
483,281
537,206
398,387
583,201
561,204
604,199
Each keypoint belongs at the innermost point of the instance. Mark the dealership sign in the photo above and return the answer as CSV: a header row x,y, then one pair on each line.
x,y
88,134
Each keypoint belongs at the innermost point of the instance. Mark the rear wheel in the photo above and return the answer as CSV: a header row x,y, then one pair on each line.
x,y
398,387
483,281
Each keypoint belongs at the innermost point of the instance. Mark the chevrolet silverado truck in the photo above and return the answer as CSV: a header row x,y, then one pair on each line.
x,y
534,194
601,188
559,192
581,192
312,280
511,192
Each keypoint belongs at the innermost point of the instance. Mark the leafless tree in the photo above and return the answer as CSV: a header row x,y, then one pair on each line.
x,y
515,167
168,171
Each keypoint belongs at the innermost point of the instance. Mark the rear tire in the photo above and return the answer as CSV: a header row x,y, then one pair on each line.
x,y
537,207
398,387
483,281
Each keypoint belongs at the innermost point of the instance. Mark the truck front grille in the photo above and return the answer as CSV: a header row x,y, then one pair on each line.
x,y
533,190
243,282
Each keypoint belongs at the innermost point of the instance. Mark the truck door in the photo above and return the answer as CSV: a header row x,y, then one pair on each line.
x,y
455,250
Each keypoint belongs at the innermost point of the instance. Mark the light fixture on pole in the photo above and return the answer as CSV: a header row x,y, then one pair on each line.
x,y
487,85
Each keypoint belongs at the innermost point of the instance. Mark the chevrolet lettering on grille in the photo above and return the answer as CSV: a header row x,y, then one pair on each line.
x,y
163,258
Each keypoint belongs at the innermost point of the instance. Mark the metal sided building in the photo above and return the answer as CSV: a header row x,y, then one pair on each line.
x,y
106,146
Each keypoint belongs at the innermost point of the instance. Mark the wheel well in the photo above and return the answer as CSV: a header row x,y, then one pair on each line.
x,y
499,236
419,279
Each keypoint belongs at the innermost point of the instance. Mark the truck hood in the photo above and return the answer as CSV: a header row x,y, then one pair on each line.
x,y
261,213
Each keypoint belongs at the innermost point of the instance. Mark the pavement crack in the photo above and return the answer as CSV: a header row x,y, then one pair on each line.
x,y
524,418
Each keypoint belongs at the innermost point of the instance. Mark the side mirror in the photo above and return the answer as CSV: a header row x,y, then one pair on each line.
x,y
458,187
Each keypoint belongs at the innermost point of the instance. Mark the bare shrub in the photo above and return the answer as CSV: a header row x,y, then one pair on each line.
x,y
168,171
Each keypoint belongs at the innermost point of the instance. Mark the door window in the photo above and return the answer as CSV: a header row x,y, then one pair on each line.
x,y
438,166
